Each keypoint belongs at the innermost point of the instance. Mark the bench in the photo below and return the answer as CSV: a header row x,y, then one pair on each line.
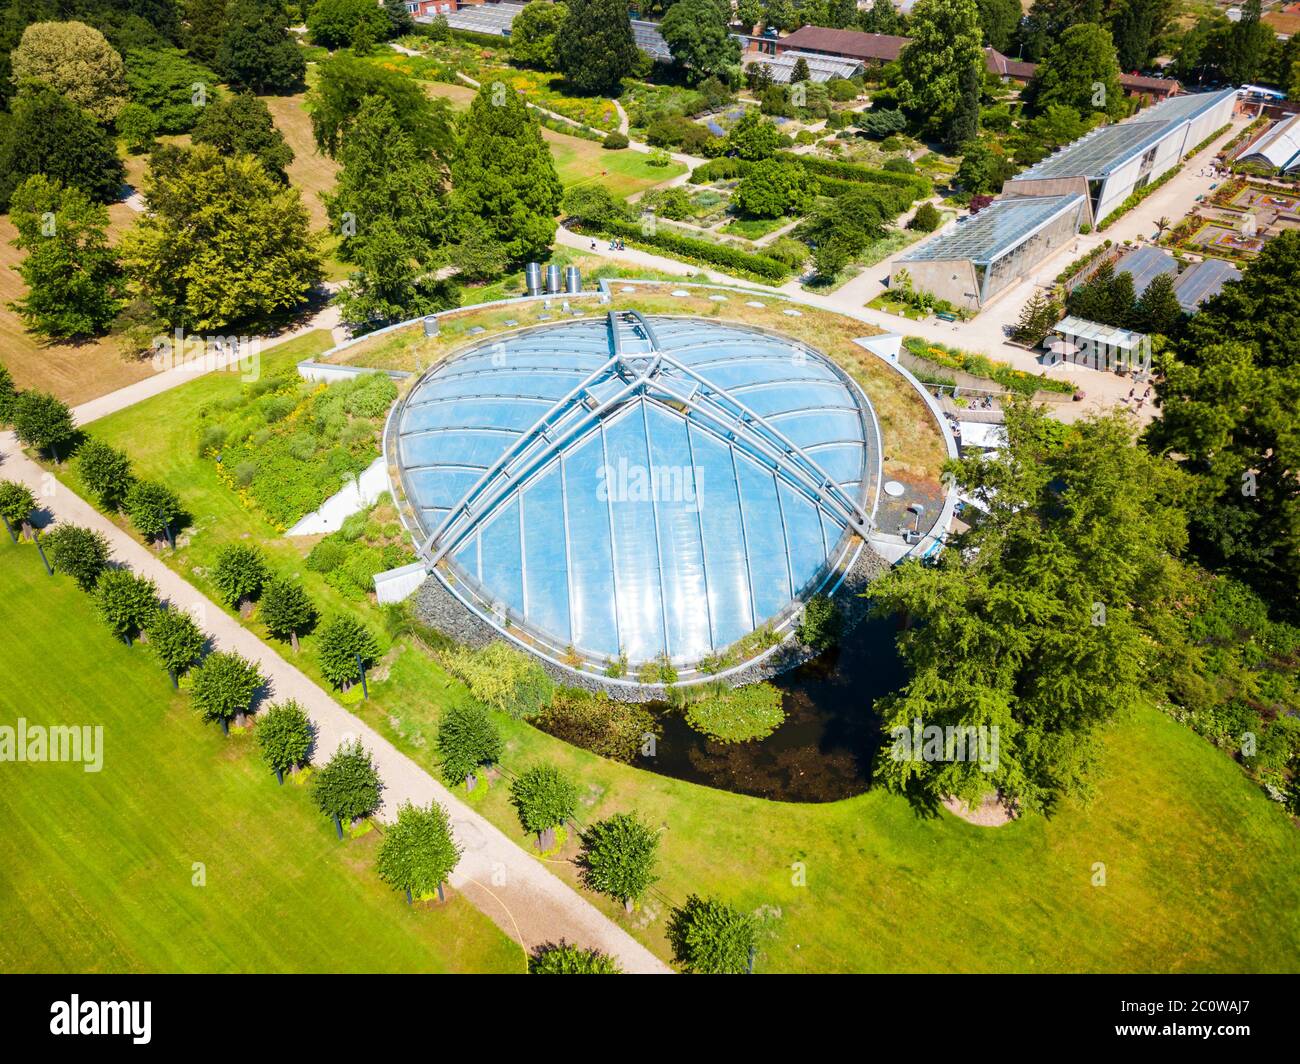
x,y
943,315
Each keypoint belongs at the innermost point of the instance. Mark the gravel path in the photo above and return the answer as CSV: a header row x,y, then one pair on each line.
x,y
498,877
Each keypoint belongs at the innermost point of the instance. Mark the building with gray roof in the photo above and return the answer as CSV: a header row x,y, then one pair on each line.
x,y
1144,265
1202,281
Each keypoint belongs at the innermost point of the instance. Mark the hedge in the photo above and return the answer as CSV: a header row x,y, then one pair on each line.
x,y
761,267
918,185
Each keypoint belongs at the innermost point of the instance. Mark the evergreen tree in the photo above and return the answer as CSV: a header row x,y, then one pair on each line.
x,y
1036,320
1135,26
709,937
74,282
1158,309
800,72
963,124
204,25
595,49
45,134
257,51
504,175
999,20
400,22
882,17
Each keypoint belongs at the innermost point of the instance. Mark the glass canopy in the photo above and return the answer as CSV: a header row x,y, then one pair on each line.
x,y
654,487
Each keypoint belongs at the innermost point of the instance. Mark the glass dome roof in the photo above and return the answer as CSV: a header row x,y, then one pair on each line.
x,y
653,487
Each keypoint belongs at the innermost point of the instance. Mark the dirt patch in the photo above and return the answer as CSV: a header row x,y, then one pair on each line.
x,y
993,812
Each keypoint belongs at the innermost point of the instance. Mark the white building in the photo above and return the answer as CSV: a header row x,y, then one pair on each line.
x,y
1278,148
1110,163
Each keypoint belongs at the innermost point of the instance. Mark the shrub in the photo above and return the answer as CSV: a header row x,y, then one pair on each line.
x,y
745,263
822,623
926,219
503,678
467,741
899,164
738,716
596,722
615,140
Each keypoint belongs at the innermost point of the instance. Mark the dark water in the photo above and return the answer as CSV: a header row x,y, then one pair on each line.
x,y
824,750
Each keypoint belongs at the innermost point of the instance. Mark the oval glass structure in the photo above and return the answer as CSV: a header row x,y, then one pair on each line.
x,y
646,486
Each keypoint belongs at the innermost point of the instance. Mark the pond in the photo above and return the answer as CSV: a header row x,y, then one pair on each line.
x,y
823,752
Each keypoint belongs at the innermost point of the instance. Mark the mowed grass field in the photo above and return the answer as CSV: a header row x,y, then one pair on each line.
x,y
1201,871
96,869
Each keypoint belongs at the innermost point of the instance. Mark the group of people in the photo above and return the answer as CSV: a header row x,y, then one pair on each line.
x,y
614,245
1141,399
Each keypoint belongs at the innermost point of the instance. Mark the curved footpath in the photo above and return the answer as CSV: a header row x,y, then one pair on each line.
x,y
519,895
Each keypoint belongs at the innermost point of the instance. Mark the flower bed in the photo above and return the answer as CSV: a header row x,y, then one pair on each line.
x,y
976,365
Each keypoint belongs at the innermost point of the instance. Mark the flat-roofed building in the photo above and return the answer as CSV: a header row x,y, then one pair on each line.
x,y
971,261
1110,163
821,68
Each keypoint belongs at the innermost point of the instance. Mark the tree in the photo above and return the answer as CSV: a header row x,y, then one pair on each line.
x,y
105,471
560,958
881,123
593,205
16,505
175,640
284,737
882,17
138,128
223,245
697,36
753,137
503,678
1136,25
343,85
943,46
998,21
347,788
822,623
239,574
336,23
172,86
257,52
75,61
504,176
154,509
45,134
800,73
544,798
79,552
343,640
1081,72
223,688
418,852
595,49
963,124
242,124
204,25
774,187
534,34
8,396
618,857
1158,309
467,740
1037,319
1247,45
42,421
1047,20
286,610
74,283
1044,620
709,937
125,601
400,22
388,284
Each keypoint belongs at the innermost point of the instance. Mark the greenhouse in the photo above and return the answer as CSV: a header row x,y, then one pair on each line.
x,y
654,487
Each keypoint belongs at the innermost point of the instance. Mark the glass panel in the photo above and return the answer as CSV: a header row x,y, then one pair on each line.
x,y
594,622
804,533
636,556
724,543
681,557
546,572
500,562
769,576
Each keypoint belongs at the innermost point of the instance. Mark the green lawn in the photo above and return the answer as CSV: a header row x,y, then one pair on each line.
x,y
623,171
1202,871
96,869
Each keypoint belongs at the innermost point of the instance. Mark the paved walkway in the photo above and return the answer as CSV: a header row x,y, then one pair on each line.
x,y
513,889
